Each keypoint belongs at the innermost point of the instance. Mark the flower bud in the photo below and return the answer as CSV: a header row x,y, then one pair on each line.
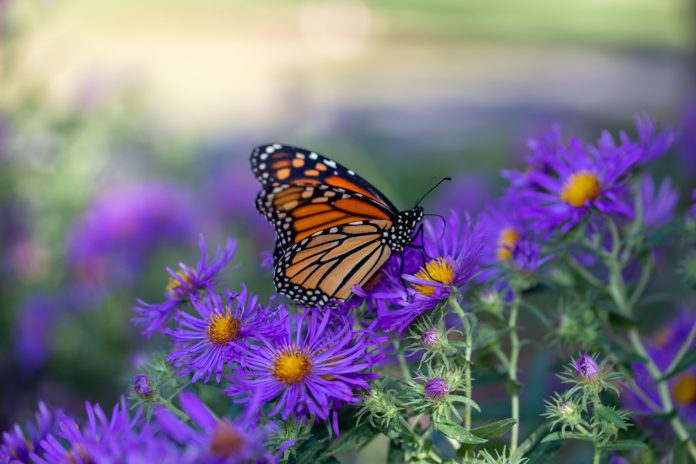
x,y
586,367
142,386
436,389
431,338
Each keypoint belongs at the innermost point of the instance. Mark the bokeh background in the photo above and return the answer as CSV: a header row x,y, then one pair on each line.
x,y
125,128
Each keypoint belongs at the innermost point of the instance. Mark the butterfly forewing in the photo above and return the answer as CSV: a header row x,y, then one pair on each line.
x,y
278,164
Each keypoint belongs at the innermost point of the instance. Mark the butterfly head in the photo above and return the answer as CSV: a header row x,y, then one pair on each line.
x,y
404,227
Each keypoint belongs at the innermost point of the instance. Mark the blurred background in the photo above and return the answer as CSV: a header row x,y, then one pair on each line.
x,y
125,129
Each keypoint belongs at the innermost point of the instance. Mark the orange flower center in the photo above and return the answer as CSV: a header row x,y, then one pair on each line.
x,y
292,366
507,239
175,284
226,441
581,187
439,270
684,389
223,329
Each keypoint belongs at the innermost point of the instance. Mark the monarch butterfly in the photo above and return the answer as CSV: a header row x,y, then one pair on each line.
x,y
334,230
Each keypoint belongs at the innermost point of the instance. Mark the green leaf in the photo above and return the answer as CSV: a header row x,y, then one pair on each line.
x,y
351,440
565,436
465,400
610,415
460,434
494,429
512,387
396,453
688,360
619,445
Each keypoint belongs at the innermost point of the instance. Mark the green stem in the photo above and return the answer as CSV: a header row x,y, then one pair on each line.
x,y
587,275
618,293
405,371
512,370
683,350
179,413
597,455
467,356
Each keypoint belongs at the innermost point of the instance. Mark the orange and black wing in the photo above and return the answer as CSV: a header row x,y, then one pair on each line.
x,y
327,264
300,210
276,165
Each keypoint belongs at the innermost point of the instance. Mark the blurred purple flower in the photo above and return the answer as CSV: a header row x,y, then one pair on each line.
x,y
658,206
467,193
19,443
119,231
654,144
184,284
313,368
34,330
142,387
212,440
217,335
663,348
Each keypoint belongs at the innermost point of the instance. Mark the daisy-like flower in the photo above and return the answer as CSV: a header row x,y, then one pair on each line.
x,y
119,438
309,369
541,151
451,252
223,326
579,181
212,440
184,284
19,443
658,205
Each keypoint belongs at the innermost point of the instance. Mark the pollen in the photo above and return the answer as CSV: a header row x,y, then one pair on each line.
x,y
581,187
226,440
292,366
684,389
507,239
439,270
175,284
223,329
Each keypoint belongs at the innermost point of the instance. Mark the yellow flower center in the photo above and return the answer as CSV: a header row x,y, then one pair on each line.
x,y
439,270
582,187
507,239
174,284
292,366
223,328
226,441
684,389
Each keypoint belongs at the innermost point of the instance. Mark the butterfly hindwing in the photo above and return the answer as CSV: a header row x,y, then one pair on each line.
x,y
277,164
328,264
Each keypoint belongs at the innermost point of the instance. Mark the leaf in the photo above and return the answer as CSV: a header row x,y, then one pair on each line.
x,y
565,436
543,453
465,400
512,387
351,440
619,445
460,434
610,415
494,429
688,360
396,453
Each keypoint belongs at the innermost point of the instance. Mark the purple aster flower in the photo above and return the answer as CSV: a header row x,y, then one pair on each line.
x,y
183,284
117,233
658,206
119,438
452,251
309,369
579,181
662,348
18,444
223,326
654,144
542,151
693,198
212,440
585,367
143,387
436,389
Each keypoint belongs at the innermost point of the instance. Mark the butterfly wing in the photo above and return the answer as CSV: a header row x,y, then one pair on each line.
x,y
277,164
327,264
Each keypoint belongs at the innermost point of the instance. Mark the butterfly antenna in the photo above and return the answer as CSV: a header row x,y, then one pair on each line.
x,y
445,179
444,223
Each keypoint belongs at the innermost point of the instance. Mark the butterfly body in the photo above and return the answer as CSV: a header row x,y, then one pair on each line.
x,y
334,230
